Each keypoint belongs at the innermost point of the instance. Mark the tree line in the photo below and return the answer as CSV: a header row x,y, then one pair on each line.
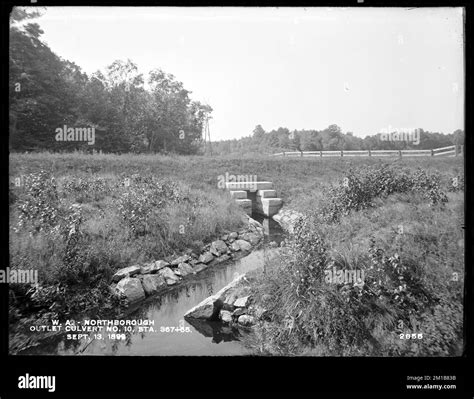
x,y
331,138
129,112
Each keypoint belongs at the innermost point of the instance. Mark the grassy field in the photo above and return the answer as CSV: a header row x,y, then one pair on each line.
x,y
137,208
292,177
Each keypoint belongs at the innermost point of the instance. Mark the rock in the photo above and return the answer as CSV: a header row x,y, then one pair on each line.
x,y
246,320
199,267
225,316
235,247
239,312
251,237
233,235
243,245
206,257
210,307
242,302
181,259
193,262
256,227
153,267
160,264
258,312
218,248
126,272
223,258
184,269
131,288
228,302
254,224
206,310
225,237
146,268
273,244
287,219
153,283
169,276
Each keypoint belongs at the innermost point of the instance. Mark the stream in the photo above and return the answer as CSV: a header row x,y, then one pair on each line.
x,y
198,339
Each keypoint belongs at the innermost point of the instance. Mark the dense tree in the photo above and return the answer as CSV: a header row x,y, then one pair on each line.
x,y
44,90
258,133
47,92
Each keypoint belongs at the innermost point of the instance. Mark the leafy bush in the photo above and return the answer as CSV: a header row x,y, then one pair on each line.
x,y
361,186
92,188
141,204
38,202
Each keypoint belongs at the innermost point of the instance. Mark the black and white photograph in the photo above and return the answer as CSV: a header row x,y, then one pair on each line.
x,y
236,182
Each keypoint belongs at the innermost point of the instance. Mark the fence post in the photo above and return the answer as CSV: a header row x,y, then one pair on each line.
x,y
321,153
432,152
342,153
301,153
370,154
284,153
400,153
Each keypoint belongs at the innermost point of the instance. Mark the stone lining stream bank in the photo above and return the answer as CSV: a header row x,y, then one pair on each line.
x,y
233,304
137,282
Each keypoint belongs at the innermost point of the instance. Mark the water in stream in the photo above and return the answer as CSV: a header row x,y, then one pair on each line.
x,y
202,338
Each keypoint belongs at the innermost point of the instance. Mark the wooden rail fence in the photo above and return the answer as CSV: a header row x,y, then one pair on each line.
x,y
450,151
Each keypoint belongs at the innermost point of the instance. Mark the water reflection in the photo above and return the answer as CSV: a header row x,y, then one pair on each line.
x,y
219,332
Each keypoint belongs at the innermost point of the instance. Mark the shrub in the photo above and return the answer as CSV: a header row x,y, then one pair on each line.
x,y
38,202
92,188
361,186
141,203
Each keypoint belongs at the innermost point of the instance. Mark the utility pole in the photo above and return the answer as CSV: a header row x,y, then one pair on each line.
x,y
207,134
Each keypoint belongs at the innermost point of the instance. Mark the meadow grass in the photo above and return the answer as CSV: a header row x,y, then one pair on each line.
x,y
292,177
125,225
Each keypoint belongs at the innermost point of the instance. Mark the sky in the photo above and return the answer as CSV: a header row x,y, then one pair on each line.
x,y
364,69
